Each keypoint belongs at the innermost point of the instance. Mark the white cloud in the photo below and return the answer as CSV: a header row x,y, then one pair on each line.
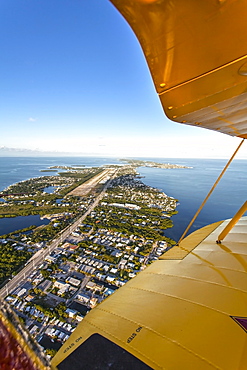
x,y
174,146
31,119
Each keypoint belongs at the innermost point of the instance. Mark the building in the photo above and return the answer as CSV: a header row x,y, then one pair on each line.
x,y
51,259
83,297
69,246
62,286
110,278
73,281
71,313
94,287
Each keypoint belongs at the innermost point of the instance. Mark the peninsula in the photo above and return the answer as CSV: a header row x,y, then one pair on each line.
x,y
139,163
107,227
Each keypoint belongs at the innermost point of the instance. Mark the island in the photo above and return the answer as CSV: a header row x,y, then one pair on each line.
x,y
140,163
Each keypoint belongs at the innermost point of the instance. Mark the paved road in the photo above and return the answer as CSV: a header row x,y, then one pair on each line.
x,y
39,257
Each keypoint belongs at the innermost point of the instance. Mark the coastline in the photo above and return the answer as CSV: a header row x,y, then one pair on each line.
x,y
30,193
119,237
177,183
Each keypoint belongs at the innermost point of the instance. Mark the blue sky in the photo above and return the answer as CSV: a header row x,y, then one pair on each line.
x,y
73,79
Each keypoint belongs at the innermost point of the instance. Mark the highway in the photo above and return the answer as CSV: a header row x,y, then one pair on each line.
x,y
38,258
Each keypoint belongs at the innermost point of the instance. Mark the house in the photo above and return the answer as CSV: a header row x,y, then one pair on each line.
x,y
61,336
29,298
73,247
83,297
110,278
49,331
73,281
51,259
22,292
94,287
119,283
117,253
100,276
63,290
90,285
69,246
71,313
122,263
93,302
62,286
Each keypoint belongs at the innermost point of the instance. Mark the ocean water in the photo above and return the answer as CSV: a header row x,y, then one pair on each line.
x,y
10,224
15,169
189,186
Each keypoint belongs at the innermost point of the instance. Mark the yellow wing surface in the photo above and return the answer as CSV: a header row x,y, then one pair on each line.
x,y
187,310
197,54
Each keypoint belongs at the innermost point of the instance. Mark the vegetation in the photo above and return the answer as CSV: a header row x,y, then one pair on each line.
x,y
51,352
145,223
48,232
48,170
28,197
11,259
15,210
34,185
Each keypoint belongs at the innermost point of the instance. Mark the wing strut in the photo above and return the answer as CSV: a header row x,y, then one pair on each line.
x,y
210,192
232,223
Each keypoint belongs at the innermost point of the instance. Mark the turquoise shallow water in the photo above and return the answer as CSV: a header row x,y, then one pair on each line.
x,y
189,186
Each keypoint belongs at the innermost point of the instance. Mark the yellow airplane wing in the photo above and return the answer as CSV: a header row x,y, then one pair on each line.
x,y
187,310
197,54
